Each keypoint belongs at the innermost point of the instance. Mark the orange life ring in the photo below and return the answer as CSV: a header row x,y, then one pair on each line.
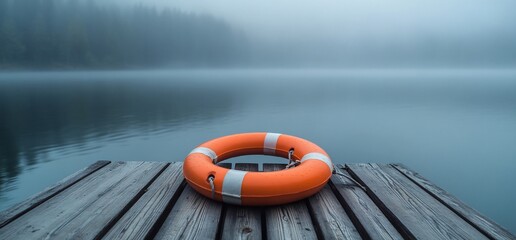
x,y
257,188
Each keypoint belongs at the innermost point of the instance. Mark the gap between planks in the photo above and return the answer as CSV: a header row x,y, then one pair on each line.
x,y
341,210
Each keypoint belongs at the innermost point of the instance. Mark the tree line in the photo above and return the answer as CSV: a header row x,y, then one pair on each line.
x,y
81,33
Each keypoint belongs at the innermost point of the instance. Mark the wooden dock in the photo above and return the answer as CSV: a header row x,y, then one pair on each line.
x,y
144,200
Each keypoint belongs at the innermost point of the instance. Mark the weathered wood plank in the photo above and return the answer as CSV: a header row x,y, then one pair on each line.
x,y
138,222
422,216
19,209
482,223
289,221
252,167
131,200
242,222
83,210
269,167
330,217
192,217
363,209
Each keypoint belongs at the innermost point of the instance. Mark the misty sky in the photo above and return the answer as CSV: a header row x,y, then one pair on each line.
x,y
404,29
333,18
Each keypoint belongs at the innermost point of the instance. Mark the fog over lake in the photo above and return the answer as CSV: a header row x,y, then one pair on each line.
x,y
271,34
370,33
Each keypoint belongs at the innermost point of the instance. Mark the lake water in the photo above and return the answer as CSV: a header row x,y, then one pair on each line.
x,y
455,127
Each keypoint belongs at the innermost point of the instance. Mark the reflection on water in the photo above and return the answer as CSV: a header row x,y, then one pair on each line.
x,y
55,113
457,128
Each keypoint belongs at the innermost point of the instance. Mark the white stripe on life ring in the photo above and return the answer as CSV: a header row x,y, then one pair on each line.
x,y
320,157
269,145
206,151
232,186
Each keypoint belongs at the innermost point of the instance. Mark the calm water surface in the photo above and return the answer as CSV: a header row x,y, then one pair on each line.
x,y
455,127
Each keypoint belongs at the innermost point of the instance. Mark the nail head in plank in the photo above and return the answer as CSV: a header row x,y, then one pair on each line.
x,y
421,215
371,218
242,222
139,220
288,221
83,210
192,217
19,209
474,217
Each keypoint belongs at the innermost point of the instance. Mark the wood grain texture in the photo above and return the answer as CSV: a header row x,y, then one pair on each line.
x,y
484,224
330,217
193,217
129,200
83,210
19,209
252,167
269,167
422,216
140,219
288,221
242,222
363,209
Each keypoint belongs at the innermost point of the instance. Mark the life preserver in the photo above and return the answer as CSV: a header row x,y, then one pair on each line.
x,y
257,188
